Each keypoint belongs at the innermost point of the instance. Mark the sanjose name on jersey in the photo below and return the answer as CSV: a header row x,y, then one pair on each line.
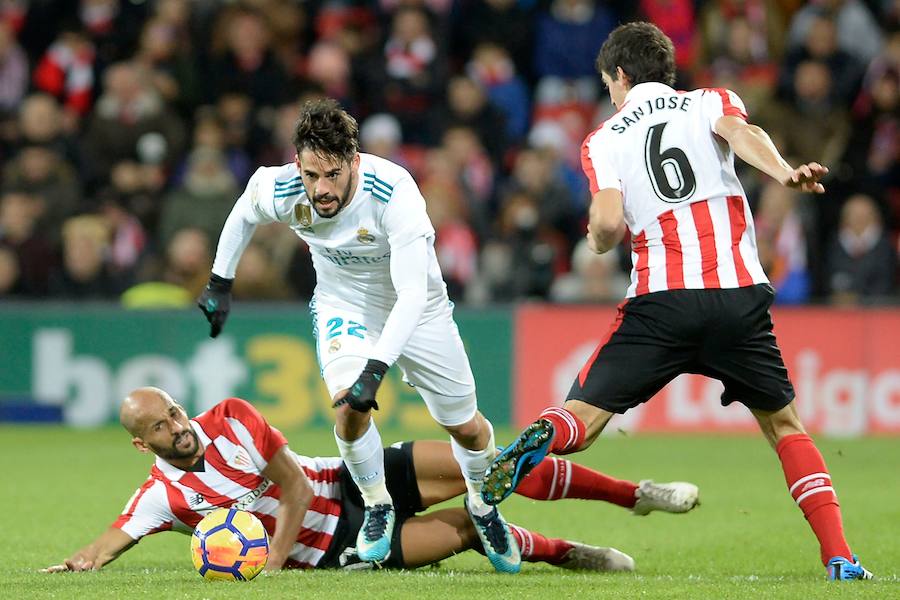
x,y
655,104
343,258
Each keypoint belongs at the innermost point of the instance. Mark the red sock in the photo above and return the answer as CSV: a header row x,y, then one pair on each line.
x,y
556,478
568,430
810,486
536,548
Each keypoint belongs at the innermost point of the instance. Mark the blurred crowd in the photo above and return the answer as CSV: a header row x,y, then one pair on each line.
x,y
129,127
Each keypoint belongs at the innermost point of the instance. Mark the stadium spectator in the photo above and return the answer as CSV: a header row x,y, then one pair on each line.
x,y
677,20
857,30
781,242
13,71
474,170
164,55
39,170
873,150
567,37
243,59
537,174
467,105
493,69
84,273
328,66
507,23
130,121
22,239
310,491
521,261
455,242
413,72
188,260
861,261
595,278
257,277
66,71
204,198
813,124
9,272
382,135
821,45
41,121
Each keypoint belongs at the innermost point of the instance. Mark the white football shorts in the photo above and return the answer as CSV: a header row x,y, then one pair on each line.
x,y
434,360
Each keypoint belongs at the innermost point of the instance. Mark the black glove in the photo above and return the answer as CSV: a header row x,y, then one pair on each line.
x,y
362,393
215,302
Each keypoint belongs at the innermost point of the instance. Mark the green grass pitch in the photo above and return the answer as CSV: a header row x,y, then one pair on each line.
x,y
746,540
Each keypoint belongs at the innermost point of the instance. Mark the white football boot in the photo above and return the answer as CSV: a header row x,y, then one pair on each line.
x,y
674,497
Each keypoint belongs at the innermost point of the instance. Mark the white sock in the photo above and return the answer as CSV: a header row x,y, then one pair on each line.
x,y
364,458
474,464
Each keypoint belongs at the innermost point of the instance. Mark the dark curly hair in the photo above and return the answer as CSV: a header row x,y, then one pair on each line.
x,y
327,130
643,51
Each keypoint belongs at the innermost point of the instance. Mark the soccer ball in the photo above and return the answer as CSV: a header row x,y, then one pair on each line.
x,y
229,545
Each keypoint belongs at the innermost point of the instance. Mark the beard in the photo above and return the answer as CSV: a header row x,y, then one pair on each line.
x,y
175,451
329,205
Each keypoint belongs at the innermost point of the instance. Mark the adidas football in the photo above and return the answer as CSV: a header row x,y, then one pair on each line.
x,y
229,545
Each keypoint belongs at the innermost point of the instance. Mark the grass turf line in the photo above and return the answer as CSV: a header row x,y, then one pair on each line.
x,y
746,540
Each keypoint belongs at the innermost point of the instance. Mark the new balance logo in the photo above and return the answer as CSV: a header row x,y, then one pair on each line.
x,y
195,500
812,484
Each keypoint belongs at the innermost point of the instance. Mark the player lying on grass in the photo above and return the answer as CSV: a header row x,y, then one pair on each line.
x,y
230,456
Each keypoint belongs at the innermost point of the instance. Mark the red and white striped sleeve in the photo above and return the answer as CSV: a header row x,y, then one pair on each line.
x,y
147,511
254,433
719,102
596,164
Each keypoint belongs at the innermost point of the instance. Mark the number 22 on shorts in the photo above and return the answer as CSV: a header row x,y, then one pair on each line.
x,y
335,328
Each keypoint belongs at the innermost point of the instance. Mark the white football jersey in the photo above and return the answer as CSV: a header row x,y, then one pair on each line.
x,y
689,219
351,251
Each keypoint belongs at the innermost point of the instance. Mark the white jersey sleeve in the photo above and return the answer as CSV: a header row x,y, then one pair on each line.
x,y
719,102
404,217
147,511
598,166
265,200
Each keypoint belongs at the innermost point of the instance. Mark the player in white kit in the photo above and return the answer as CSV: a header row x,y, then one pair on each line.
x,y
379,299
663,166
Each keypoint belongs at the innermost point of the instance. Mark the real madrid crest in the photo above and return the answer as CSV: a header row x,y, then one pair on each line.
x,y
334,346
364,236
303,212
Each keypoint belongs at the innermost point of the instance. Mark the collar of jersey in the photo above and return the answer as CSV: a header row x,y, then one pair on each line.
x,y
172,472
646,90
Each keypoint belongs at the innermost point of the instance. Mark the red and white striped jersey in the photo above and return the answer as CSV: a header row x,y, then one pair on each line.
x,y
690,223
239,444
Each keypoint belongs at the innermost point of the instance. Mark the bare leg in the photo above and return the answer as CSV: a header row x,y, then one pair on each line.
x,y
435,536
437,473
776,425
349,424
594,419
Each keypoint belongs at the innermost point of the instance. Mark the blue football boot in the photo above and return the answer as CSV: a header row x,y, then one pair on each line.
x,y
841,569
373,542
516,461
499,544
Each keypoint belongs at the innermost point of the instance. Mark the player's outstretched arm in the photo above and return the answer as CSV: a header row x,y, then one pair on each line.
x,y
754,146
105,549
296,496
215,301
